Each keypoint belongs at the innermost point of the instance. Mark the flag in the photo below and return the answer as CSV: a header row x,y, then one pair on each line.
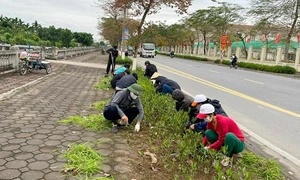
x,y
277,39
263,38
298,38
248,40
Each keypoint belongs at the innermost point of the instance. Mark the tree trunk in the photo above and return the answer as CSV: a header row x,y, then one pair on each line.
x,y
141,25
267,48
204,47
288,41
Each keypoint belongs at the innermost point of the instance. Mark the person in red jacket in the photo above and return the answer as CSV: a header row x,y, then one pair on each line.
x,y
221,131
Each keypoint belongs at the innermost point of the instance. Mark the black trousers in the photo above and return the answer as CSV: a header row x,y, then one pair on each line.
x,y
111,113
111,62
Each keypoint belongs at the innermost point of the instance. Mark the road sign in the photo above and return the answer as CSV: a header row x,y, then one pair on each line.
x,y
223,42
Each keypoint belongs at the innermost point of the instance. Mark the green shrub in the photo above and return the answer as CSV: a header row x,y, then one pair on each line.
x,y
179,146
127,60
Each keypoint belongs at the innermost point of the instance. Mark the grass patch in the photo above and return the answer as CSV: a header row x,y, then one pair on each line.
x,y
82,159
265,168
99,105
103,84
95,122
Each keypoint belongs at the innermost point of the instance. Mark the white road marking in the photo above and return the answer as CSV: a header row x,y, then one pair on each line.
x,y
253,81
214,71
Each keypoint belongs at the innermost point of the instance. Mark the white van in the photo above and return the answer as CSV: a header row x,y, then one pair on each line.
x,y
148,50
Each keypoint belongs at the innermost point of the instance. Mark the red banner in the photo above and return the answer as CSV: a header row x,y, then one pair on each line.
x,y
263,38
298,38
229,43
277,39
248,40
223,41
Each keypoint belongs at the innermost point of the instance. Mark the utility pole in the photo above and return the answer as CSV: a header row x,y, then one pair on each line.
x,y
123,48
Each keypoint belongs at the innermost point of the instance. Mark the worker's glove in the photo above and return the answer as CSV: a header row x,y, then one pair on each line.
x,y
137,127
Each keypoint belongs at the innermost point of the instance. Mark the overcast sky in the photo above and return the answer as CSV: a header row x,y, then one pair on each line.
x,y
80,15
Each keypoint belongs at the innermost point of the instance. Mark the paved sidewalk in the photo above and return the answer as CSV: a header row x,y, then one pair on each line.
x,y
29,132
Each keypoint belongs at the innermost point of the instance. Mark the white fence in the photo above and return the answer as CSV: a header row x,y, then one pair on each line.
x,y
9,59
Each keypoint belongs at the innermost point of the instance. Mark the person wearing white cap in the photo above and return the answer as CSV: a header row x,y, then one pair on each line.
x,y
199,100
221,131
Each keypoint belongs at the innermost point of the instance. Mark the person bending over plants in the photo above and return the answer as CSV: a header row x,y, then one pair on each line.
x,y
165,85
116,78
221,131
124,106
200,99
184,102
126,81
122,69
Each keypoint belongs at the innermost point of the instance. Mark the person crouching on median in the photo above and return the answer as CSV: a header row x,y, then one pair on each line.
x,y
125,105
221,131
199,125
116,78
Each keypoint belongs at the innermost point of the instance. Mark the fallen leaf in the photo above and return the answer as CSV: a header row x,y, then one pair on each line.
x,y
106,175
153,158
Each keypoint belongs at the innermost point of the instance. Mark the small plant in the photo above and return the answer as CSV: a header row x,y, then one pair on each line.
x,y
103,84
82,159
96,122
99,105
265,168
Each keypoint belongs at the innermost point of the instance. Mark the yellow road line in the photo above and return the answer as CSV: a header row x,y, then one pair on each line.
x,y
222,88
254,81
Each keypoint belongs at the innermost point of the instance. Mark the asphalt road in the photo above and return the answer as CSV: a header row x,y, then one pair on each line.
x,y
265,104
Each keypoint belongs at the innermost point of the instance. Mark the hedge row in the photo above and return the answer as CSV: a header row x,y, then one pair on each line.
x,y
260,67
127,60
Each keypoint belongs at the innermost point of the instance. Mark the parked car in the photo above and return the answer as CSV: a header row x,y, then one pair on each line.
x,y
130,51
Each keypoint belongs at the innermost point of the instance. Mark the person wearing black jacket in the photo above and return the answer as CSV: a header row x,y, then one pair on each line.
x,y
165,85
116,78
113,54
150,69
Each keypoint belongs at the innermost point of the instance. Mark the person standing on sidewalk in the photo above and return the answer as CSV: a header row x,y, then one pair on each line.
x,y
125,105
113,54
221,131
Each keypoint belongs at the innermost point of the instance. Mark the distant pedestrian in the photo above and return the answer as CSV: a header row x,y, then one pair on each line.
x,y
116,78
150,69
113,54
125,106
221,131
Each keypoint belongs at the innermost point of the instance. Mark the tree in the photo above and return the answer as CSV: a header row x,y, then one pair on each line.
x,y
284,13
146,7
